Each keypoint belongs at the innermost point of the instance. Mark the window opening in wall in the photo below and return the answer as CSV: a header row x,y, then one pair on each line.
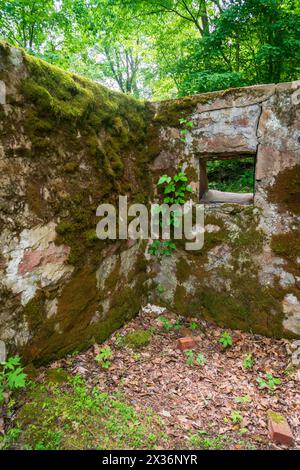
x,y
227,180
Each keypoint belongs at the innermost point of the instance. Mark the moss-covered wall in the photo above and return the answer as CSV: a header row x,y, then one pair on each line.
x,y
68,144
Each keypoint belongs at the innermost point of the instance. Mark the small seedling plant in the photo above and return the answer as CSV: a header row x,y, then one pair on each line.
x,y
12,376
190,361
248,361
236,417
268,382
104,357
193,326
200,360
160,289
225,340
168,325
243,399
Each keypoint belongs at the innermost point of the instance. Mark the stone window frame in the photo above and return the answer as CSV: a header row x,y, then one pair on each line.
x,y
241,198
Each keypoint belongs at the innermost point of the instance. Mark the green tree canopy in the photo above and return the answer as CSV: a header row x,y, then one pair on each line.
x,y
161,48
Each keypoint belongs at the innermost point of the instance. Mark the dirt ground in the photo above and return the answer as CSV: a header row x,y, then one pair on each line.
x,y
215,405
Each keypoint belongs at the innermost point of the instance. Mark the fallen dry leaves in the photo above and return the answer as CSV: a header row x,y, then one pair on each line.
x,y
193,398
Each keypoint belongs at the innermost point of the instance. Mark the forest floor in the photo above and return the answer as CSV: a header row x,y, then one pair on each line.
x,y
155,396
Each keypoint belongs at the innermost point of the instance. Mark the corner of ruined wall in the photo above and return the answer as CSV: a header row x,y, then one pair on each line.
x,y
61,288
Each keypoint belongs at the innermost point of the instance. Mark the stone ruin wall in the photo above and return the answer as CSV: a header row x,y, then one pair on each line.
x,y
68,145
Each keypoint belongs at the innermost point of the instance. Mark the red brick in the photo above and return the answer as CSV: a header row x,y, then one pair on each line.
x,y
186,343
279,429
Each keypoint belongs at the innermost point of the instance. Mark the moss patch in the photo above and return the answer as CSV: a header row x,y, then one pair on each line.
x,y
57,376
183,270
138,339
286,190
276,417
286,244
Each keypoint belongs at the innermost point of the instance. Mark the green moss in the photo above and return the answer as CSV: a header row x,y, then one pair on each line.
x,y
70,167
286,190
286,244
57,376
276,417
34,198
138,339
169,112
181,300
183,270
78,322
64,227
91,235
112,278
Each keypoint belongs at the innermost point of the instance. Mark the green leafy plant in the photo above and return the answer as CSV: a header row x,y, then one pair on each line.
x,y
243,399
166,323
104,356
174,190
80,416
12,376
158,248
119,340
236,417
190,357
231,175
225,340
160,289
193,326
177,325
186,125
200,360
248,361
269,382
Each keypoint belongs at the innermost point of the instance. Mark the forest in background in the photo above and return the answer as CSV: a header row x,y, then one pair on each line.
x,y
160,49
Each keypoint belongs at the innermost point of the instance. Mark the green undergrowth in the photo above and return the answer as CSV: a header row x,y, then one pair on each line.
x,y
203,440
231,175
73,416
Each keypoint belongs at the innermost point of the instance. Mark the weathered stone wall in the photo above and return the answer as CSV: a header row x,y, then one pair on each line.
x,y
67,145
247,275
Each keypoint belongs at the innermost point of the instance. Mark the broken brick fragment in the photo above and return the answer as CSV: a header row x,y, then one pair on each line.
x,y
279,429
186,343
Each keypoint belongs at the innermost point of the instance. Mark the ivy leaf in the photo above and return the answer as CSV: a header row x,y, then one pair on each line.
x,y
170,188
164,179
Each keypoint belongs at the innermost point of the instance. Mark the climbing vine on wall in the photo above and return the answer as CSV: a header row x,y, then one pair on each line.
x,y
172,190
